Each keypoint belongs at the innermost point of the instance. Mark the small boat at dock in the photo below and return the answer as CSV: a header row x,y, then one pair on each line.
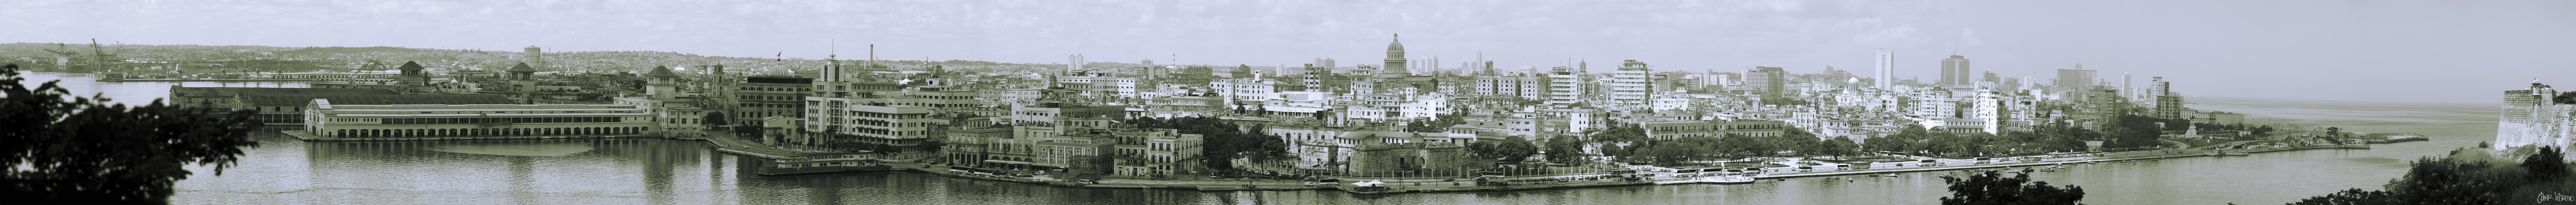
x,y
1731,179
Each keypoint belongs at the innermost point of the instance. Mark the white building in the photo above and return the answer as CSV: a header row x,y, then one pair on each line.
x,y
1628,86
476,120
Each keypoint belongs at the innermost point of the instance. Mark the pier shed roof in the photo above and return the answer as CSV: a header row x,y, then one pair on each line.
x,y
373,99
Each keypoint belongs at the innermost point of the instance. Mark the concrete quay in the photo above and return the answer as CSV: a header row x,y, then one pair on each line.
x,y
306,136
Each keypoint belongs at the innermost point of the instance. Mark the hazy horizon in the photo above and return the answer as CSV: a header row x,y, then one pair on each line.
x,y
2388,51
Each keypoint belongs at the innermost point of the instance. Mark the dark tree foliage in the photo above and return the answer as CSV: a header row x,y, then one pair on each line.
x,y
1511,149
1620,133
2129,131
1993,188
716,119
2565,98
1564,149
2547,165
87,151
2466,177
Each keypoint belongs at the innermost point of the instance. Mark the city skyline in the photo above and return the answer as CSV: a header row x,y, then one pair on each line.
x,y
2265,44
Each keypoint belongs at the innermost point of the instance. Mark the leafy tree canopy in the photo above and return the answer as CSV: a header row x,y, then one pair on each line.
x,y
86,151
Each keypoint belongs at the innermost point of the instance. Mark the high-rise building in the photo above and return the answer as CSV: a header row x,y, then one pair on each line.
x,y
1766,80
1073,62
1563,88
1991,77
1886,70
2073,79
1327,63
1314,77
1629,84
2166,104
1954,71
2129,88
1426,64
2026,82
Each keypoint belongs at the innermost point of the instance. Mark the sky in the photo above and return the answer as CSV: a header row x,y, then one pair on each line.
x,y
2415,51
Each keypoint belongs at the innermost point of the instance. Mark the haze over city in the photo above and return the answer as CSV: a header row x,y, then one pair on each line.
x,y
2330,50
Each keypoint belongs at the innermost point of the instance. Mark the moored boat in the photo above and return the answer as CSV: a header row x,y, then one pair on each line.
x,y
1730,179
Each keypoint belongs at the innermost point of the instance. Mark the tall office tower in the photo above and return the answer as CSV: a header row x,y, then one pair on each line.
x,y
1314,77
1427,64
2129,88
1488,65
1629,84
534,58
2155,87
1886,70
1146,62
1073,62
2167,103
2073,79
2027,82
1766,80
1327,63
1954,71
1991,77
1395,58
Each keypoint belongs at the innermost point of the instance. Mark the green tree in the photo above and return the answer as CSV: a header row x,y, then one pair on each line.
x,y
1993,188
1564,149
85,150
716,119
2549,164
2565,98
1512,149
1620,133
2464,177
1841,146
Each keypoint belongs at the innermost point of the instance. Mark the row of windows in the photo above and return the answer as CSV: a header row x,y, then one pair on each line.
x,y
498,119
769,105
767,97
774,89
486,132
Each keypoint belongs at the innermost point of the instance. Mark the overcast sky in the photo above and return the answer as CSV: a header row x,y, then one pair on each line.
x,y
2437,51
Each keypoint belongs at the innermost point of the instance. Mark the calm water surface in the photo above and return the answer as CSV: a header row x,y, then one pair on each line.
x,y
657,171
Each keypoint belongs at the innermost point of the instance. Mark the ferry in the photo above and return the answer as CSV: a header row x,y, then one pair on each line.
x,y
1730,179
